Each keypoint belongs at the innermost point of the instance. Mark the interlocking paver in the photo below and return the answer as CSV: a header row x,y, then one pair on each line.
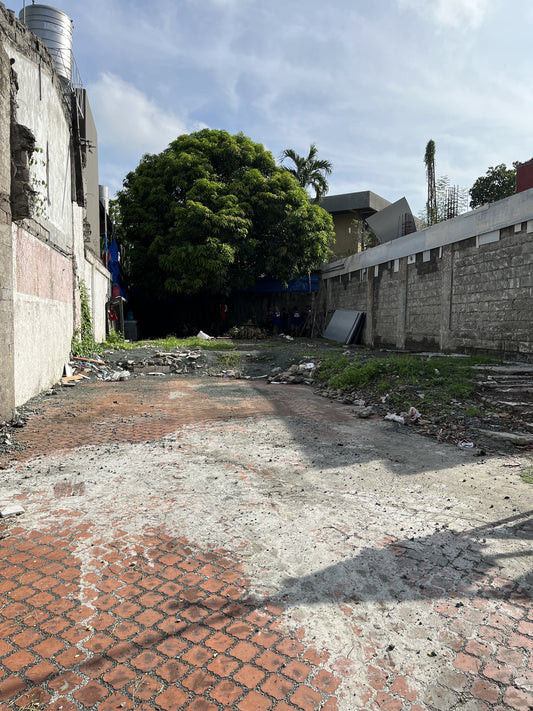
x,y
138,616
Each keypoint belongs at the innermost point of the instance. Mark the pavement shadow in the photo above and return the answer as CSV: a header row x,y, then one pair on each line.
x,y
345,440
432,567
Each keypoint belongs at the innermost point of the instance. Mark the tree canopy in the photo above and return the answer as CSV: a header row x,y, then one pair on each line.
x,y
212,213
498,182
309,171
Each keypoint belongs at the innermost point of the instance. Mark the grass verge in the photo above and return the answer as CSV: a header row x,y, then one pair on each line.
x,y
116,342
440,382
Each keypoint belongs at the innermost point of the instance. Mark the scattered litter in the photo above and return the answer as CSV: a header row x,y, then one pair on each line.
x,y
466,445
68,370
287,338
511,464
10,510
395,418
413,414
88,360
156,373
71,378
204,336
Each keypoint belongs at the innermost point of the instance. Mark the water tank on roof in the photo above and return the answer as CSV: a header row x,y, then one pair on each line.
x,y
55,29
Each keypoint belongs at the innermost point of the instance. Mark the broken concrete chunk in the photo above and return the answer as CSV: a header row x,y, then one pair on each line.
x,y
363,412
117,375
395,418
10,510
511,437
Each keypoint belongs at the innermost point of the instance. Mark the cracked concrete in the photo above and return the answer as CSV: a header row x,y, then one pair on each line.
x,y
400,566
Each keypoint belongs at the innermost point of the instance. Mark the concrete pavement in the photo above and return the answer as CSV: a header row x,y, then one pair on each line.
x,y
217,544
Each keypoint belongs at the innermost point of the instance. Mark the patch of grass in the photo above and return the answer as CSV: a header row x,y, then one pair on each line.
x,y
171,342
192,342
473,411
230,359
442,381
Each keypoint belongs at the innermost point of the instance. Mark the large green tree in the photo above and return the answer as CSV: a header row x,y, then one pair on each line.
x,y
309,171
212,213
498,182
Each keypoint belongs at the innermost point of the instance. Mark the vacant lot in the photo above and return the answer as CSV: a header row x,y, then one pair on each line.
x,y
220,543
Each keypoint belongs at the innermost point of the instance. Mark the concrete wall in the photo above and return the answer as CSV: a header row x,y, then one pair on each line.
x,y
96,278
7,354
43,314
464,284
43,254
42,108
89,148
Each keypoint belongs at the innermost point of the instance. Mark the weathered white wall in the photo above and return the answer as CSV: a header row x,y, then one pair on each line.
x,y
43,314
41,107
46,259
7,393
96,278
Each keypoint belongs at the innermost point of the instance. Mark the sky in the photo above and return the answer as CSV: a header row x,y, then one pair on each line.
x,y
370,82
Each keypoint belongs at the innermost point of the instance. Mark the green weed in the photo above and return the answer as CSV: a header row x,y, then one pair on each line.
x,y
230,360
439,381
83,343
527,476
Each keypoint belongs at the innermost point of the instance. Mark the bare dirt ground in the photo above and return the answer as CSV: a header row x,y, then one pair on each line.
x,y
371,567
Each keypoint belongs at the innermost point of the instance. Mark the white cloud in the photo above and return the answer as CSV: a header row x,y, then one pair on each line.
x,y
128,120
457,14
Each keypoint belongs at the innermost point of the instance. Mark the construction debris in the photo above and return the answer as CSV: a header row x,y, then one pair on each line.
x,y
7,510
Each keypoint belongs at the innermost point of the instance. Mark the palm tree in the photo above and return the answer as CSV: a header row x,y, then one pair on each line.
x,y
310,172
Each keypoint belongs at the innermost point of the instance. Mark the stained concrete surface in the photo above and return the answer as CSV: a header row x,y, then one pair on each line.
x,y
404,564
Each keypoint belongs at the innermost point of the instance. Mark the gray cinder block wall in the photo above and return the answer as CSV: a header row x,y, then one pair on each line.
x,y
462,285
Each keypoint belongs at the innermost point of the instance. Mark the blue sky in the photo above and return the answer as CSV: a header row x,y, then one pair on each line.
x,y
368,81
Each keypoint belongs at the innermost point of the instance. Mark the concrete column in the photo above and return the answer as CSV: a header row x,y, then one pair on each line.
x,y
368,333
446,339
402,304
7,356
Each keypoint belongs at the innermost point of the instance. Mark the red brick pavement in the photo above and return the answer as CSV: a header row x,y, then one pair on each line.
x,y
146,622
112,620
142,410
170,627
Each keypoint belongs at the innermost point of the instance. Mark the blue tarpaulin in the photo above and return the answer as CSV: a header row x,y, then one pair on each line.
x,y
266,285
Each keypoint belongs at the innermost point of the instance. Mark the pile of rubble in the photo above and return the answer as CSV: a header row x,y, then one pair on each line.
x,y
303,372
7,442
121,368
162,363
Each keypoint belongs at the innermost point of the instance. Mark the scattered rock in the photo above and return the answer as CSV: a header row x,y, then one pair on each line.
x,y
363,412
